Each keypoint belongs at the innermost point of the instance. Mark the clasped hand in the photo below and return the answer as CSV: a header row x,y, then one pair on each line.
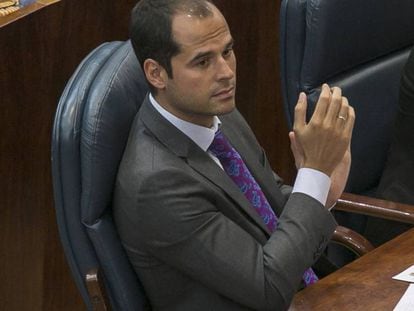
x,y
323,143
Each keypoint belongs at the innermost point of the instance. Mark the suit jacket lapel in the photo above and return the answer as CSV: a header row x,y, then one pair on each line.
x,y
263,177
198,159
216,175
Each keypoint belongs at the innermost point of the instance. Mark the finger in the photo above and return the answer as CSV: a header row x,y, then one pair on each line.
x,y
349,124
334,105
300,111
343,113
322,104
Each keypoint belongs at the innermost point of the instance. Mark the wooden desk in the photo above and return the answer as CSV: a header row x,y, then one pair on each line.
x,y
22,12
364,284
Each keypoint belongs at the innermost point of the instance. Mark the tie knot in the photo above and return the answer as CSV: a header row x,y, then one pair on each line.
x,y
220,146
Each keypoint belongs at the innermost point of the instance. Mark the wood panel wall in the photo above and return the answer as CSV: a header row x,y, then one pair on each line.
x,y
255,28
37,56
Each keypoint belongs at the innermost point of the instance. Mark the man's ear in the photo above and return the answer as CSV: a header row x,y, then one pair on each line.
x,y
155,73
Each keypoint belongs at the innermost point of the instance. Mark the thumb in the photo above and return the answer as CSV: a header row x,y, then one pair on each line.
x,y
296,150
300,111
293,144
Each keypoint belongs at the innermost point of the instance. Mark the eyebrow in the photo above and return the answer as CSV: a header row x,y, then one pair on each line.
x,y
202,55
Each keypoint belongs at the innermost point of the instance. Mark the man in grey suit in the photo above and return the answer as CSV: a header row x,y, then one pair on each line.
x,y
193,237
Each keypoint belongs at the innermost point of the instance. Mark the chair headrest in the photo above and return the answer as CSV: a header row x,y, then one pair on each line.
x,y
344,34
114,99
360,46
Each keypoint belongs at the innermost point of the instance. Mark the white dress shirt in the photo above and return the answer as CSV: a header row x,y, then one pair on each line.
x,y
308,181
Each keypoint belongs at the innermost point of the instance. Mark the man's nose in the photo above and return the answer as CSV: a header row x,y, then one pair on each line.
x,y
225,69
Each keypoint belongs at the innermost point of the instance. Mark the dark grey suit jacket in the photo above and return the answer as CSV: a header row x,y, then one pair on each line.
x,y
193,238
397,180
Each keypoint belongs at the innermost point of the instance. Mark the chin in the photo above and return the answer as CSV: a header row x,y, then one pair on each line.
x,y
226,110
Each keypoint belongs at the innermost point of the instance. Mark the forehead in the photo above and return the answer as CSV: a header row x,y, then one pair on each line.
x,y
193,32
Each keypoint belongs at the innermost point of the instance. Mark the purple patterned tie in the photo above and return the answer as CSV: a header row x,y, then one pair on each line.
x,y
234,166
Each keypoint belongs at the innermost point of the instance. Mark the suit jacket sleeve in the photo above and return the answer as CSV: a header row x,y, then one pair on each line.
x,y
197,238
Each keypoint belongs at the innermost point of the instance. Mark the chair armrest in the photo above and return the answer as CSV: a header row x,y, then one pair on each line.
x,y
352,241
376,207
96,291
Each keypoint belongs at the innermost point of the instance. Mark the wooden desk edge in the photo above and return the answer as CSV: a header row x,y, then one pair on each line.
x,y
308,298
29,9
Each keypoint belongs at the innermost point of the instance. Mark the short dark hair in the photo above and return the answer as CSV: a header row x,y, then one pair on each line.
x,y
151,28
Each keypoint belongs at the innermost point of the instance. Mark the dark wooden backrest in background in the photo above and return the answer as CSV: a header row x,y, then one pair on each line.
x,y
38,54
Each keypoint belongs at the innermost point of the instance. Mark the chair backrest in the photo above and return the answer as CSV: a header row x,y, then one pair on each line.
x,y
90,132
360,46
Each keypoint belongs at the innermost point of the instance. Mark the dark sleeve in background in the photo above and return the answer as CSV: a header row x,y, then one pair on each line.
x,y
397,181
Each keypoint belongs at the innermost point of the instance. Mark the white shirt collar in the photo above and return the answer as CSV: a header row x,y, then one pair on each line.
x,y
201,135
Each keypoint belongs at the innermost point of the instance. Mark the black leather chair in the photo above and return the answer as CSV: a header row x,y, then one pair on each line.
x,y
91,128
360,46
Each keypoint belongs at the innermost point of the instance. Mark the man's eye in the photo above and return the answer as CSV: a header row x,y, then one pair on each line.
x,y
227,52
203,63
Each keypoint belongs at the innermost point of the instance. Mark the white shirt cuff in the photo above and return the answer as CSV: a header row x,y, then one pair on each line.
x,y
313,183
